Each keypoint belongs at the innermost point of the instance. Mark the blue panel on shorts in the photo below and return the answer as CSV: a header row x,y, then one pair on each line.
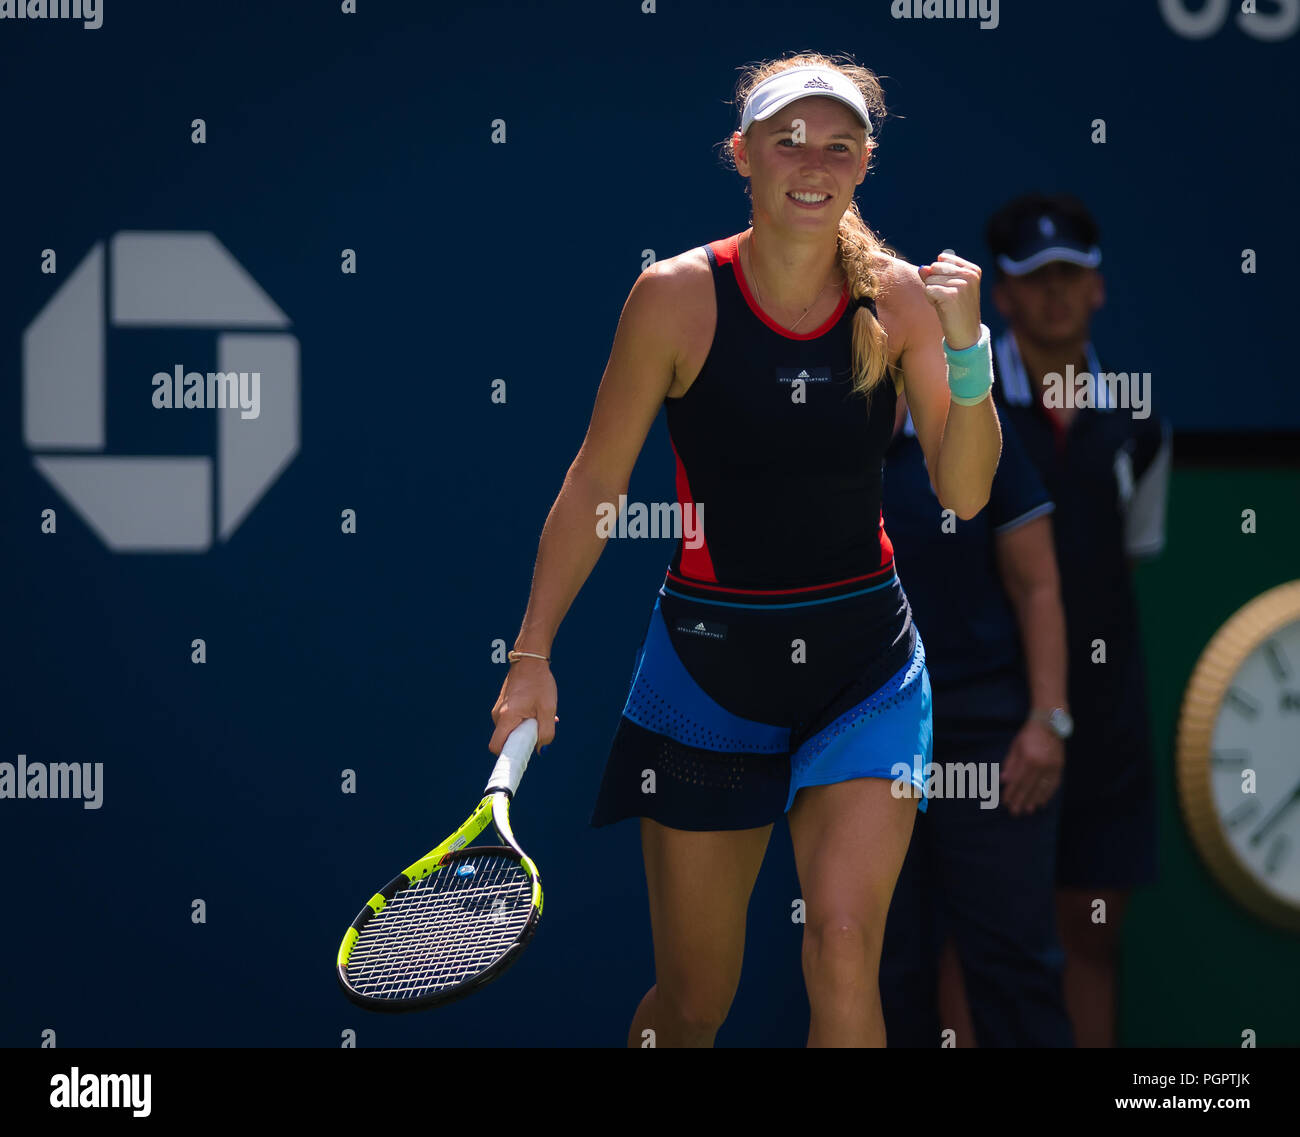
x,y
891,726
665,699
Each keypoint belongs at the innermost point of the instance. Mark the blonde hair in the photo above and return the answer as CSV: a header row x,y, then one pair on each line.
x,y
859,246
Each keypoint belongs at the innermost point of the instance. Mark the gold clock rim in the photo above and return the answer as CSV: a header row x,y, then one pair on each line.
x,y
1215,668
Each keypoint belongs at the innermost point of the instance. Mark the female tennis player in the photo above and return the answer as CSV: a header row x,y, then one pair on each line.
x,y
780,671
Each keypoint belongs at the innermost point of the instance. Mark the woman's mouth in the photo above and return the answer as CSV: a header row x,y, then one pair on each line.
x,y
808,199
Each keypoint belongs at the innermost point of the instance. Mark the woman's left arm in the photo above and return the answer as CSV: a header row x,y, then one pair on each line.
x,y
939,303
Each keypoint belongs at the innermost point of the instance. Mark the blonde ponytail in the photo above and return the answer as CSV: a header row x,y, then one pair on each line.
x,y
859,249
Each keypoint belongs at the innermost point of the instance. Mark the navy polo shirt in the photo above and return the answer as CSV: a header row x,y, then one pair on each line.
x,y
1108,474
949,571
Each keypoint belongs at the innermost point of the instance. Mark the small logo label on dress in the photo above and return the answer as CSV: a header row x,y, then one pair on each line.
x,y
706,628
803,374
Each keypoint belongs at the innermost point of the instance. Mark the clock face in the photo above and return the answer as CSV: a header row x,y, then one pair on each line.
x,y
1257,728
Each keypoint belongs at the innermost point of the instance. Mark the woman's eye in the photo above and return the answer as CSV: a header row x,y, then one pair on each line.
x,y
792,142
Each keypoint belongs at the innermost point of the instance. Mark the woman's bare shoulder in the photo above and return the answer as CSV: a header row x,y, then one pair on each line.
x,y
667,291
900,281
900,301
686,270
684,307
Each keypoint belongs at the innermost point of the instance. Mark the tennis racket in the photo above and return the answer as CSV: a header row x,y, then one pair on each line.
x,y
453,921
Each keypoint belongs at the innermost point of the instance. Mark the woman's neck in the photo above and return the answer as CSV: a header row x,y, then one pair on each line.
x,y
790,276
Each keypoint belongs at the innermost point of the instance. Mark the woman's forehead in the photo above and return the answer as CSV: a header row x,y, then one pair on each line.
x,y
819,111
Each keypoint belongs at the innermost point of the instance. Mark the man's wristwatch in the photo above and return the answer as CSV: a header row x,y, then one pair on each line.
x,y
1057,720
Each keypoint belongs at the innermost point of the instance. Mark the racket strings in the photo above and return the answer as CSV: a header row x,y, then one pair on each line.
x,y
444,930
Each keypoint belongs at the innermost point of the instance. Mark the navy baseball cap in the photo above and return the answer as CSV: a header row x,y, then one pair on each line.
x,y
1035,229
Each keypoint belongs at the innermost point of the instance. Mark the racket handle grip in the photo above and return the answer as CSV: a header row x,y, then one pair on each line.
x,y
510,767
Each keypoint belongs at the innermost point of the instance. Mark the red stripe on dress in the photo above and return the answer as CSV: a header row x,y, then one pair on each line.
x,y
695,562
886,545
786,591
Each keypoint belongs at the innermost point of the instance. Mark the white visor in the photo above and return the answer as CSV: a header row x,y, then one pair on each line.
x,y
798,83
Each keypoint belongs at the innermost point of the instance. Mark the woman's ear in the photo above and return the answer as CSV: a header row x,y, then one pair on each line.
x,y
738,155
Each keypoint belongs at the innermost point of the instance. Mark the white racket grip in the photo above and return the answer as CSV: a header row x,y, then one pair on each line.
x,y
510,767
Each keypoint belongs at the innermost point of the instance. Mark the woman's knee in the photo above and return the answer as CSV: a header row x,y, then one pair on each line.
x,y
842,950
697,1002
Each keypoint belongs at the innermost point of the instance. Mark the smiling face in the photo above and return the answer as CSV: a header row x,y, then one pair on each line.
x,y
803,181
1053,304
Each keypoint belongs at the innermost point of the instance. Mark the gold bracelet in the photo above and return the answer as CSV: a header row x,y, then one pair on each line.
x,y
514,655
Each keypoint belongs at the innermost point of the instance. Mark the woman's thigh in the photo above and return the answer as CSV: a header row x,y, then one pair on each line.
x,y
850,839
699,884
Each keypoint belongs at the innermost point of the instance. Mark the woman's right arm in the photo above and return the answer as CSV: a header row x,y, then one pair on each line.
x,y
636,380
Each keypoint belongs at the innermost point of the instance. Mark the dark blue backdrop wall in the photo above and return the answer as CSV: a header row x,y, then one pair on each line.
x,y
479,262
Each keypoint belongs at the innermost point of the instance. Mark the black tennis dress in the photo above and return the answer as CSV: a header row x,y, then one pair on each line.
x,y
780,651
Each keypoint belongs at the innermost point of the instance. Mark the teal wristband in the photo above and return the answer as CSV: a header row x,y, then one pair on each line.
x,y
970,371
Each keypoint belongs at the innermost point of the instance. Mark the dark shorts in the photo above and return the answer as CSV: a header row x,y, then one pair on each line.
x,y
985,878
732,709
1107,840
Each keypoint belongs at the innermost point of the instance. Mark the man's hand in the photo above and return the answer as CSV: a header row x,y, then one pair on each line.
x,y
1032,769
